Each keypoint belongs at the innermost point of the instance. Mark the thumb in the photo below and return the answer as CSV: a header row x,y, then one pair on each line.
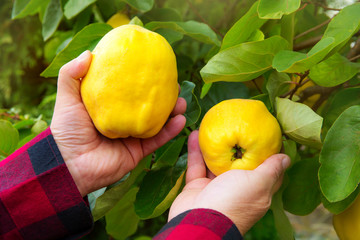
x,y
69,78
271,171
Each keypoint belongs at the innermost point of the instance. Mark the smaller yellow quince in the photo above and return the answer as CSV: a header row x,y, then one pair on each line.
x,y
118,19
347,223
238,134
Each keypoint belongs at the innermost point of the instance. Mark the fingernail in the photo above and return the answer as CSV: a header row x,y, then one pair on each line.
x,y
286,162
82,56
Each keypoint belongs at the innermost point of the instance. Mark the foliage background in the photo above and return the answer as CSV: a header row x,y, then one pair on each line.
x,y
30,39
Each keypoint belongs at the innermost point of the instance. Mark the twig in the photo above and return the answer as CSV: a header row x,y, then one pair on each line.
x,y
302,7
307,43
312,29
298,85
257,87
201,18
324,6
354,58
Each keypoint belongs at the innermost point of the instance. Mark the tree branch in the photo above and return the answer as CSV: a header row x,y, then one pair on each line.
x,y
312,29
307,43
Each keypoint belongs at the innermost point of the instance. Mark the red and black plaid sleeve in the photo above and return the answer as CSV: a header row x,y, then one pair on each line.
x,y
199,224
38,197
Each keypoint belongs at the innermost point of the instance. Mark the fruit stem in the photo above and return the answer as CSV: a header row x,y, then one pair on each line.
x,y
238,152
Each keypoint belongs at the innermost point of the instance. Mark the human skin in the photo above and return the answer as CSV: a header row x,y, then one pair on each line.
x,y
93,160
242,195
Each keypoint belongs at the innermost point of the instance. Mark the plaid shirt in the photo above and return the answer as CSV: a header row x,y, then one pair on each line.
x,y
39,200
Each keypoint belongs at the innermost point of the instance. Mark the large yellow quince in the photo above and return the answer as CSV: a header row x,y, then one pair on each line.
x,y
347,223
118,19
238,134
131,86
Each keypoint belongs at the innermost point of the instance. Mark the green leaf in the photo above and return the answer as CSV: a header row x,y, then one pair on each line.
x,y
264,97
169,199
169,153
288,28
108,200
73,7
244,29
162,15
25,140
23,8
136,21
39,127
122,221
243,62
52,19
24,124
345,24
333,71
86,39
221,91
195,30
339,172
277,84
263,229
270,9
205,89
302,194
342,100
282,223
290,149
156,186
170,35
142,5
291,62
192,113
338,207
299,122
9,138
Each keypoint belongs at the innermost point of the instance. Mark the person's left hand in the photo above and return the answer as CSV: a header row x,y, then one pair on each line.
x,y
93,160
244,196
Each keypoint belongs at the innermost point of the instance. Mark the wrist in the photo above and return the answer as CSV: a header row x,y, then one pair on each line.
x,y
71,165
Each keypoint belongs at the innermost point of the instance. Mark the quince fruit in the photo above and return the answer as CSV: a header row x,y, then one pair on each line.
x,y
238,134
347,223
118,19
131,85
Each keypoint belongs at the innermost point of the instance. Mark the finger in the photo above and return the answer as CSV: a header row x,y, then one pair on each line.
x,y
196,165
171,129
270,172
69,76
277,185
180,107
209,174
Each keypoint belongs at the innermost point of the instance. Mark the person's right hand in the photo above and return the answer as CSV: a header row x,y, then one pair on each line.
x,y
243,196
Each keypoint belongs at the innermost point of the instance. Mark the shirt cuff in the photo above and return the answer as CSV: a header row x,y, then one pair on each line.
x,y
38,197
200,224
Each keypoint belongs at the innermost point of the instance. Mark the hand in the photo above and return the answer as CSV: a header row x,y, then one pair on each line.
x,y
243,196
93,160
